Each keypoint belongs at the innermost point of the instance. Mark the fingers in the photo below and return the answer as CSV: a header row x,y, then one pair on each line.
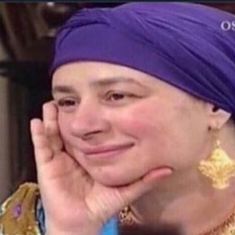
x,y
45,135
50,121
42,150
134,191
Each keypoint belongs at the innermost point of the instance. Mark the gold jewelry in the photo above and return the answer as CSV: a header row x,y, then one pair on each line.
x,y
126,216
219,167
227,227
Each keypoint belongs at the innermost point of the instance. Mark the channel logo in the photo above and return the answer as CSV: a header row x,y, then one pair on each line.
x,y
227,25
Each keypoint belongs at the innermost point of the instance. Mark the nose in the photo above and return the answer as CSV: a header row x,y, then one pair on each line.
x,y
89,120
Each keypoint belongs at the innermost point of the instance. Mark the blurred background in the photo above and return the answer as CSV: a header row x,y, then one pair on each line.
x,y
27,33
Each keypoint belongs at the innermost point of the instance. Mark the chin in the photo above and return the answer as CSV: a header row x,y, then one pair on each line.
x,y
112,180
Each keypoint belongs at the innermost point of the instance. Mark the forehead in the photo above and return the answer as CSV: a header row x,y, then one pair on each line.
x,y
86,72
81,75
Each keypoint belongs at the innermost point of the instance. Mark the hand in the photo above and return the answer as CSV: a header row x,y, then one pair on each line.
x,y
73,202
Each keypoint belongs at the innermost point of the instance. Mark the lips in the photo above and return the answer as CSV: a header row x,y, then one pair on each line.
x,y
105,149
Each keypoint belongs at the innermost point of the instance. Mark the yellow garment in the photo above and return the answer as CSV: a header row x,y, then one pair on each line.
x,y
18,215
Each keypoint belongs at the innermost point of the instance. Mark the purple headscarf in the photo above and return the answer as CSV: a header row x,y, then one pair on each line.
x,y
183,44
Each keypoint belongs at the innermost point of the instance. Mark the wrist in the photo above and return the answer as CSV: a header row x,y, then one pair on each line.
x,y
56,232
77,227
81,231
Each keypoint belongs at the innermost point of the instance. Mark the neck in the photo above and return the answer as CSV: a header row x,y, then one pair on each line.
x,y
186,205
186,200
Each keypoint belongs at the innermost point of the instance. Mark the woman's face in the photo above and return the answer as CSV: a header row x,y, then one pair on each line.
x,y
120,123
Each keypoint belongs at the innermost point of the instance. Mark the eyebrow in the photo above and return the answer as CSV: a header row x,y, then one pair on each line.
x,y
63,89
98,83
114,80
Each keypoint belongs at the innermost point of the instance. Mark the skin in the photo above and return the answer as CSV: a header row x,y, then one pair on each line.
x,y
156,138
156,119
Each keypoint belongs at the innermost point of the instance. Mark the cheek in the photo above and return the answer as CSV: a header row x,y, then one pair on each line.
x,y
143,122
153,134
158,129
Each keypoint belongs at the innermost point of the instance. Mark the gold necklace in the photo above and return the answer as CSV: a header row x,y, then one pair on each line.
x,y
227,227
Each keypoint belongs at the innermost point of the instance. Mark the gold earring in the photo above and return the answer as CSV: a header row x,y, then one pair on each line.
x,y
219,167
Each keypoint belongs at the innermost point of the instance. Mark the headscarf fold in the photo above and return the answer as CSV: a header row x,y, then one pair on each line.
x,y
183,44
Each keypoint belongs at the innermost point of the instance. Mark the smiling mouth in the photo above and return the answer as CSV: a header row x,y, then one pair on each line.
x,y
107,153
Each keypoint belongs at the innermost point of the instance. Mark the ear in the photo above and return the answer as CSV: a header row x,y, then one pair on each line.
x,y
217,116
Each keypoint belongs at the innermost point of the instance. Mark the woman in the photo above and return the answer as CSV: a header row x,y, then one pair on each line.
x,y
140,122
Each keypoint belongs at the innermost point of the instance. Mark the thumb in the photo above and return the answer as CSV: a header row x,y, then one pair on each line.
x,y
145,184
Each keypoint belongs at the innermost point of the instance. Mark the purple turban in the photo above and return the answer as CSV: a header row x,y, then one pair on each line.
x,y
189,46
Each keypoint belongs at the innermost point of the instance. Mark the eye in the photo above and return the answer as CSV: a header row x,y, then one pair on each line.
x,y
66,104
114,96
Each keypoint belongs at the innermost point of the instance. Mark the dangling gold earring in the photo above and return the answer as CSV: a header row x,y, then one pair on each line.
x,y
219,167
